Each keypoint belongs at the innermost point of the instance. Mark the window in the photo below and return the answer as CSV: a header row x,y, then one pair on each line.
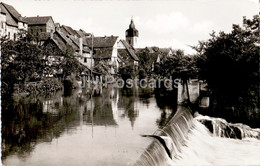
x,y
85,60
9,35
14,36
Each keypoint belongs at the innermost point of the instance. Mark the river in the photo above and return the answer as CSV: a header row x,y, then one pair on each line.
x,y
139,127
79,129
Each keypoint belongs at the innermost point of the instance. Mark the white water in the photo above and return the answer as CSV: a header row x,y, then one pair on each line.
x,y
193,144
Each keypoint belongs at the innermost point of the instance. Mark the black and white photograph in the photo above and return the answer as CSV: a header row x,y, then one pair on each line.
x,y
130,82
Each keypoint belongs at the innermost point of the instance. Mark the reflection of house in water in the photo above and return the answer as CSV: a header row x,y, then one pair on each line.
x,y
52,105
128,106
99,111
114,96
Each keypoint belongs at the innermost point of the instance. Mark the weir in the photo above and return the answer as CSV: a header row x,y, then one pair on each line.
x,y
200,141
191,140
174,134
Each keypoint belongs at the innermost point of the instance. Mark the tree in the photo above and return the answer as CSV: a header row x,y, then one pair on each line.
x,y
146,61
102,67
172,66
21,62
229,63
69,64
126,72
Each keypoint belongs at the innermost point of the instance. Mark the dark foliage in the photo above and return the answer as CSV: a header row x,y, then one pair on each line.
x,y
229,62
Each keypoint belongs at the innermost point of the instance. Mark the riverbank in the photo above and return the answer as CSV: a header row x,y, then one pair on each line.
x,y
45,86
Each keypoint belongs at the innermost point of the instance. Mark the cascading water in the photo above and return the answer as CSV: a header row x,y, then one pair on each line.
x,y
174,134
202,140
221,128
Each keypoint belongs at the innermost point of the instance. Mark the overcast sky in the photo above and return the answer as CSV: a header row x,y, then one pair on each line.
x,y
175,23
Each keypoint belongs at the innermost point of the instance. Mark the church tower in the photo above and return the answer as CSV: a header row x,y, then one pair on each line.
x,y
131,34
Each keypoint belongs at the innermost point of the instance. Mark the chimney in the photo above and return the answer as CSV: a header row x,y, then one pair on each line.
x,y
80,46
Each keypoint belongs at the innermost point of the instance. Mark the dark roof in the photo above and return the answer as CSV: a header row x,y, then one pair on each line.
x,y
102,53
67,40
102,42
76,41
72,40
13,12
12,16
153,49
120,55
165,50
82,33
79,33
69,30
9,19
39,20
130,50
62,40
58,41
57,24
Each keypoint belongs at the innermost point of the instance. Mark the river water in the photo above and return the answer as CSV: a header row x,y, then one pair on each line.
x,y
120,127
79,129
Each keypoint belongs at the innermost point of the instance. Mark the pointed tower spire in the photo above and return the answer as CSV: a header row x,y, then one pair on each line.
x,y
132,34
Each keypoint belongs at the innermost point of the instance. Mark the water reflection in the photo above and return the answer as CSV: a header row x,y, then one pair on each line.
x,y
29,121
167,102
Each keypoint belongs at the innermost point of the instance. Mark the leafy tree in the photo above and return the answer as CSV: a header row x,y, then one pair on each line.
x,y
69,63
229,62
146,61
126,71
102,67
21,62
171,66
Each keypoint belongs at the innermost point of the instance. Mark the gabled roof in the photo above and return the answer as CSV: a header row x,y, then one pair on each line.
x,y
130,50
103,53
69,30
165,50
65,33
12,15
2,9
76,41
57,40
9,19
39,20
66,40
59,43
57,25
61,40
82,33
102,42
150,49
13,12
